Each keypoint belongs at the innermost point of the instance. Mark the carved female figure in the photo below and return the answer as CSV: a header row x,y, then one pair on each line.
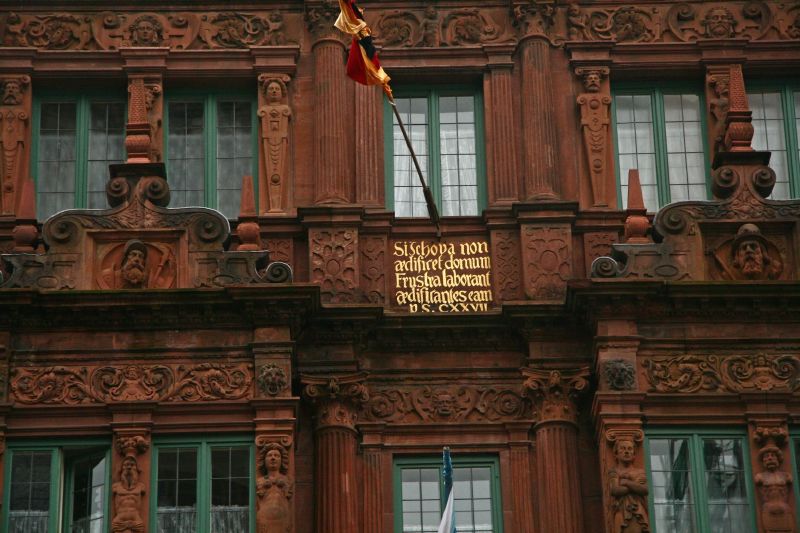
x,y
275,115
628,487
274,491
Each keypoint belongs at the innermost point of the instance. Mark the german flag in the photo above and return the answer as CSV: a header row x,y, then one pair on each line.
x,y
363,65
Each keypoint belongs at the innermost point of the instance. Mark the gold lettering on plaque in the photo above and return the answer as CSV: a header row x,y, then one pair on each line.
x,y
442,277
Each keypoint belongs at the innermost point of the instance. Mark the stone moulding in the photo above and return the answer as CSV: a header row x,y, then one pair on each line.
x,y
74,385
718,373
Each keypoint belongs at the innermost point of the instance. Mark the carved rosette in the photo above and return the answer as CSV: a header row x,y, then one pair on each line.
x,y
337,399
334,263
15,113
555,392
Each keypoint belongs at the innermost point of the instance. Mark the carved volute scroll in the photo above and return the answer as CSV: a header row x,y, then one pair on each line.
x,y
595,106
274,485
128,491
15,113
555,392
774,481
337,399
274,113
627,483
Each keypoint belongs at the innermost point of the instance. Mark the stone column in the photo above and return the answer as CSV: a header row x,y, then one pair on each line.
x,y
558,483
368,136
336,400
540,145
332,159
15,139
501,142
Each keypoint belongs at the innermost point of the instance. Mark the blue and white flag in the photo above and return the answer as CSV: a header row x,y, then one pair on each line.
x,y
448,523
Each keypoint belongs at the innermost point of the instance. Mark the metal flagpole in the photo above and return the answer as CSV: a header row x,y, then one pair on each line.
x,y
426,191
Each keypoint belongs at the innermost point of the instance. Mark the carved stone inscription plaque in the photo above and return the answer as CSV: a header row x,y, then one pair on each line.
x,y
442,276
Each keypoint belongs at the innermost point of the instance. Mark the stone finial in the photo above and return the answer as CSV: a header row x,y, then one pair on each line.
x,y
636,224
25,233
248,230
739,127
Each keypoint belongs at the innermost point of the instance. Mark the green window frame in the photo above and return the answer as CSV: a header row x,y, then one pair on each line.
x,y
203,447
659,134
64,454
433,173
83,102
209,101
432,462
699,497
789,94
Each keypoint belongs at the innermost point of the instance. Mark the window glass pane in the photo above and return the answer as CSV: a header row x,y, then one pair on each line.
x,y
106,147
234,153
769,125
472,499
408,198
635,146
671,489
55,168
88,478
458,155
230,494
725,484
29,500
685,161
177,490
186,153
420,496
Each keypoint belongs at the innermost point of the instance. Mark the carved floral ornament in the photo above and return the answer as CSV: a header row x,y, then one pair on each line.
x,y
77,385
113,30
716,373
555,392
337,398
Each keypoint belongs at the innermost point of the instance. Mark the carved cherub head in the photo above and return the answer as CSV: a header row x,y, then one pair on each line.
x,y
719,23
751,254
624,450
771,457
146,30
134,263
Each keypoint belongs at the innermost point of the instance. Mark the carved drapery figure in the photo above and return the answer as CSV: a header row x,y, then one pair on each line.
x,y
718,106
274,489
595,124
275,115
14,120
128,491
627,486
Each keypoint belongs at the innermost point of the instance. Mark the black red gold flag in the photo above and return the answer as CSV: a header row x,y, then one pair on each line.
x,y
363,64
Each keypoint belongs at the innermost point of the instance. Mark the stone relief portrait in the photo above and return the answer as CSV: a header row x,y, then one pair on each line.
x,y
749,256
137,265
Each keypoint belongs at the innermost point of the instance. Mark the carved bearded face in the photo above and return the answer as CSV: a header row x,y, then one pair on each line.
x,y
130,471
770,460
12,92
750,258
444,404
134,266
719,23
591,81
624,451
273,460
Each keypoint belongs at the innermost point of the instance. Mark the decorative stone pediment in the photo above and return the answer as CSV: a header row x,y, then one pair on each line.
x,y
138,243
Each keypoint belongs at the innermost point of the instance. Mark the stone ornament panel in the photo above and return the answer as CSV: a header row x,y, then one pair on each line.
x,y
447,403
74,385
718,373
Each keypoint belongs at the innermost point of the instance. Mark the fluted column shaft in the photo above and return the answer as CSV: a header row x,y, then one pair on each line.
x,y
522,488
538,121
557,482
373,491
332,158
501,142
368,133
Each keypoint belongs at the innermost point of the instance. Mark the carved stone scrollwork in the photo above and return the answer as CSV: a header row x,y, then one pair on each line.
x,y
275,115
627,484
274,486
555,392
713,373
337,399
128,491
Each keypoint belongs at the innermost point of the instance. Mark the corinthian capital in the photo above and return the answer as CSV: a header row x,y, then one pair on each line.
x,y
555,392
337,399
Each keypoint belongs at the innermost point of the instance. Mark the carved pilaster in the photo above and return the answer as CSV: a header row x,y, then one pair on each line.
x,y
521,479
555,393
337,400
501,142
275,114
595,106
625,481
374,477
368,134
547,260
332,162
131,480
540,146
773,477
275,484
15,139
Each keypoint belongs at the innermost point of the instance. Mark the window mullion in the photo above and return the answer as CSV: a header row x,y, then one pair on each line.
x,y
434,149
698,472
210,139
203,488
56,482
81,152
660,147
480,152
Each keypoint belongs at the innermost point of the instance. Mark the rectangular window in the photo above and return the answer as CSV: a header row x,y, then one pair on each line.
x,y
446,129
419,494
57,489
75,140
203,487
210,145
660,132
776,121
699,483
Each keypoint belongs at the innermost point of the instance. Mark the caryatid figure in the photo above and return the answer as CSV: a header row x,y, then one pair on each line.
x,y
628,488
275,116
774,487
14,120
596,124
128,494
274,490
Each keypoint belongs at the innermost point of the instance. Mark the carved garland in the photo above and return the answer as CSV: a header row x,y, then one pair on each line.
x,y
76,385
739,373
